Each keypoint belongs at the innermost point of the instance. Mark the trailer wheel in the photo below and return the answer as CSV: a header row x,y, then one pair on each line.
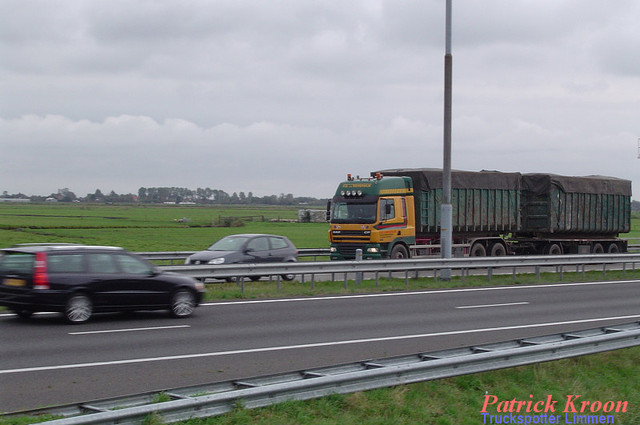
x,y
399,252
553,249
498,250
478,250
598,249
614,248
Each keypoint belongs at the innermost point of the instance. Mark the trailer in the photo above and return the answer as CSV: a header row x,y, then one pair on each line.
x,y
396,214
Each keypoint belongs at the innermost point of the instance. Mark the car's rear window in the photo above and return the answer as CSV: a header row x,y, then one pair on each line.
x,y
65,263
19,263
279,243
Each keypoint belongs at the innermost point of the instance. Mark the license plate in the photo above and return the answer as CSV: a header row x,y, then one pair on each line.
x,y
14,282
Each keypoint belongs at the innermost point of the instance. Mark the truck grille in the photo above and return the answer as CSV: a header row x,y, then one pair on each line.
x,y
349,249
351,235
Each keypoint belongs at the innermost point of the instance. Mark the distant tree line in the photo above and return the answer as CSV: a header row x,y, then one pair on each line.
x,y
170,195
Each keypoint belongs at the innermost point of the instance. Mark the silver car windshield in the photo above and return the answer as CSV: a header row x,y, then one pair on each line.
x,y
230,243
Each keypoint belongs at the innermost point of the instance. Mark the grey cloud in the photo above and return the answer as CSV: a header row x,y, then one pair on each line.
x,y
201,93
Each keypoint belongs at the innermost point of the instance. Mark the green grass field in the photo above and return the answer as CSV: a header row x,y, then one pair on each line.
x,y
454,401
148,228
157,228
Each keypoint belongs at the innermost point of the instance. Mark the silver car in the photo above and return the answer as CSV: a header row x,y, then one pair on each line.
x,y
248,248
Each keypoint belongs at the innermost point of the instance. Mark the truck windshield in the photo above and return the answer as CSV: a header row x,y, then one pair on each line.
x,y
344,212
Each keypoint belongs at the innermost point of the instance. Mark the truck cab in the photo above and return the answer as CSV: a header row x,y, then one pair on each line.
x,y
373,214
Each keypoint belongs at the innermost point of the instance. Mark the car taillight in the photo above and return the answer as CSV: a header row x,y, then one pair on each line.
x,y
40,276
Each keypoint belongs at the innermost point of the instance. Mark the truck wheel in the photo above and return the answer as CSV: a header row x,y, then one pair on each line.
x,y
553,249
598,249
478,250
498,250
399,252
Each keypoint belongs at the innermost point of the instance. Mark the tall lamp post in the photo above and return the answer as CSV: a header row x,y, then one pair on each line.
x,y
446,219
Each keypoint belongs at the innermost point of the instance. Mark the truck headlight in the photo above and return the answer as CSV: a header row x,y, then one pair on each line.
x,y
333,249
373,250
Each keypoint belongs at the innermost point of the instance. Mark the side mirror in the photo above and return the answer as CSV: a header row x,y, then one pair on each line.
x,y
328,215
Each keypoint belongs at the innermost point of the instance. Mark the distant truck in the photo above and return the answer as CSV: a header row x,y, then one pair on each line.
x,y
396,214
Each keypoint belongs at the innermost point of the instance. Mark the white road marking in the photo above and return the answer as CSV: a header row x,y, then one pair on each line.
x,y
156,328
493,305
400,294
413,293
303,346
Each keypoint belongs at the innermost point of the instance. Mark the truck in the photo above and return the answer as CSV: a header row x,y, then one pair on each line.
x,y
395,213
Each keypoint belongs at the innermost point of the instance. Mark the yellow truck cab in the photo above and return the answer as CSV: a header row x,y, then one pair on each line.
x,y
373,214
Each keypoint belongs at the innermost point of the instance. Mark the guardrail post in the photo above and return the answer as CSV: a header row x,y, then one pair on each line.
x,y
358,274
561,272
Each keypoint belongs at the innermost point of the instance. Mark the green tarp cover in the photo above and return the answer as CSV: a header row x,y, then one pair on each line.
x,y
425,179
540,184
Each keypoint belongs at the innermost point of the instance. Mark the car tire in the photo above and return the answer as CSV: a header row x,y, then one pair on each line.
x,y
23,313
78,309
288,277
183,302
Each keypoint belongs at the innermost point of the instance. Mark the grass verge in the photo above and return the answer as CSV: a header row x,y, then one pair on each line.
x,y
458,401
264,288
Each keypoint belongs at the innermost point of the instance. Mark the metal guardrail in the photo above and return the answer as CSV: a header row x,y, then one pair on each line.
x,y
220,398
303,252
376,267
182,255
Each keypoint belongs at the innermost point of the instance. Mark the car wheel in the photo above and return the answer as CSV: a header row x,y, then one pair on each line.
x,y
23,313
183,303
288,277
78,309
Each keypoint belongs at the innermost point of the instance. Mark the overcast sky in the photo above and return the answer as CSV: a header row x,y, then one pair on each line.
x,y
289,96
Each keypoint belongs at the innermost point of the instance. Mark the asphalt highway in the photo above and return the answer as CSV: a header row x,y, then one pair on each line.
x,y
45,362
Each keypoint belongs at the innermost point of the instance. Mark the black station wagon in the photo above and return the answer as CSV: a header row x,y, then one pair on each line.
x,y
78,280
